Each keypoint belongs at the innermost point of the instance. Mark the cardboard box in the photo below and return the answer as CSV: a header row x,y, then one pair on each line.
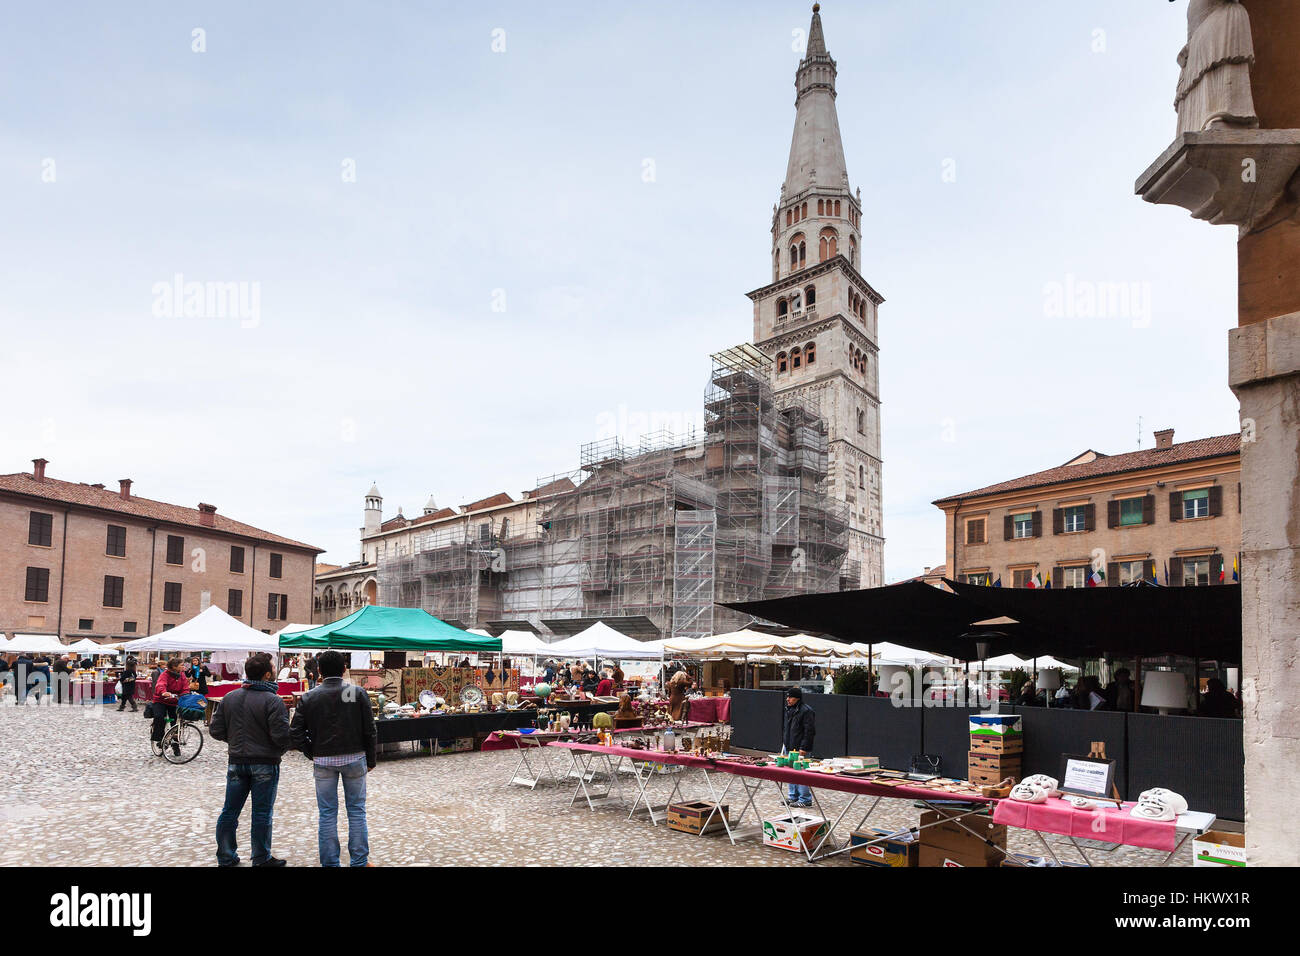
x,y
995,725
901,849
997,743
931,856
951,837
1218,848
690,817
795,831
455,745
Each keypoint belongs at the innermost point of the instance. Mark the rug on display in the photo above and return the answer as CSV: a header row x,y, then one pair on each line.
x,y
445,682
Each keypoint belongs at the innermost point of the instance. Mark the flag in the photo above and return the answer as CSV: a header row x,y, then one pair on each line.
x,y
1047,583
1096,578
998,582
1235,577
1034,583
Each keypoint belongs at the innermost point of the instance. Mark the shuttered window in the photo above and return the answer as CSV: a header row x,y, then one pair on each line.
x,y
40,529
113,589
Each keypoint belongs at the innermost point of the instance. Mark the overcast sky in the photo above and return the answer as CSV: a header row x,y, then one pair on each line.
x,y
456,272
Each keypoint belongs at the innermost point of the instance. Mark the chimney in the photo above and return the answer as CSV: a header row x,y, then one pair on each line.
x,y
126,488
38,468
207,515
1165,438
98,486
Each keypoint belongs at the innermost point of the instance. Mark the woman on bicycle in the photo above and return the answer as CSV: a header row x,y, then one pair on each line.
x,y
167,690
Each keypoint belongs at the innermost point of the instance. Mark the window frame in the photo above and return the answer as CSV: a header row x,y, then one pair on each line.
x,y
32,526
167,597
1199,500
180,547
37,584
1022,520
108,541
1130,502
277,566
118,591
984,530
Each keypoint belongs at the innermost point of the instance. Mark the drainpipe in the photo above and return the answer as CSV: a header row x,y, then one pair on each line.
x,y
153,557
63,573
252,586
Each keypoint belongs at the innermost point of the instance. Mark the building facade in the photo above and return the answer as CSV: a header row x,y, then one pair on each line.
x,y
818,317
80,560
1168,515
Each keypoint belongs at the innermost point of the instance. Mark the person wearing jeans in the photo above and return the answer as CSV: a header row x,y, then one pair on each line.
x,y
797,732
255,725
334,727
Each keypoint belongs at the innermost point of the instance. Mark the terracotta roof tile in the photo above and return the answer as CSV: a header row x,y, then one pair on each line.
x,y
68,492
1113,465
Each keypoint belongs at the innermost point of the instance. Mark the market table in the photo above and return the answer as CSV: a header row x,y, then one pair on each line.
x,y
219,689
449,726
535,744
96,691
1109,825
751,779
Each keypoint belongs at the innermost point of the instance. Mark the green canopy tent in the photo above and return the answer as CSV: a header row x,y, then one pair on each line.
x,y
391,629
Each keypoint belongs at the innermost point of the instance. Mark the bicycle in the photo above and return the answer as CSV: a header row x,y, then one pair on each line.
x,y
181,742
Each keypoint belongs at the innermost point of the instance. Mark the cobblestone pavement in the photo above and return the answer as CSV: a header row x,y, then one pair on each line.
x,y
72,768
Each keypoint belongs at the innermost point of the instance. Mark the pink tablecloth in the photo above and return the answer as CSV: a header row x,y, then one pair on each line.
x,y
1110,825
287,688
709,710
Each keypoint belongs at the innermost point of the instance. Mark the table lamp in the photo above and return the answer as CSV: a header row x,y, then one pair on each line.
x,y
1049,680
1164,690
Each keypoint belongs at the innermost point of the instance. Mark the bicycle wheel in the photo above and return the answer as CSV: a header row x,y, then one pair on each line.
x,y
182,743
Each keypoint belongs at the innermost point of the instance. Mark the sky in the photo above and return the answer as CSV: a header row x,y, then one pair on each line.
x,y
460,240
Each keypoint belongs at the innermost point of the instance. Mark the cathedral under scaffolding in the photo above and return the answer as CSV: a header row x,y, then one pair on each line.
x,y
648,538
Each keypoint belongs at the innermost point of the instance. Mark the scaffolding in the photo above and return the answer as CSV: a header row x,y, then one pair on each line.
x,y
656,532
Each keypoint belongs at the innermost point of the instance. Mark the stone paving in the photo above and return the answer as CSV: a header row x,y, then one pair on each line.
x,y
87,775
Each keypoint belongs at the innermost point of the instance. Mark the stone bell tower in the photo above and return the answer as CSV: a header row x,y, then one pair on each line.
x,y
817,317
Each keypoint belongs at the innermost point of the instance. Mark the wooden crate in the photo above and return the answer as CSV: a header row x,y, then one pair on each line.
x,y
997,743
690,817
992,769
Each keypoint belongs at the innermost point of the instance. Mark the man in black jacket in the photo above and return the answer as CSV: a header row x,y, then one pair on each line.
x,y
797,732
333,726
255,725
128,685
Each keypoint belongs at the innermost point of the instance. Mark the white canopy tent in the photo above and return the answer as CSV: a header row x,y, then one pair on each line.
x,y
35,644
212,630
87,646
601,640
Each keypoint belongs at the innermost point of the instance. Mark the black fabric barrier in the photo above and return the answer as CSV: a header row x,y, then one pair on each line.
x,y
945,731
1049,733
450,726
756,719
832,724
1203,758
876,728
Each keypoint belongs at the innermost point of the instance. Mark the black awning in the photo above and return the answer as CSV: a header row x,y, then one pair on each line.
x,y
1063,622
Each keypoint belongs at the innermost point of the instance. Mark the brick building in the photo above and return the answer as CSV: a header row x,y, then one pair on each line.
x,y
79,560
1169,514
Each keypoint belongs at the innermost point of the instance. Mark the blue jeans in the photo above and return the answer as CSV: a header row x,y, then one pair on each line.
x,y
261,780
800,793
327,802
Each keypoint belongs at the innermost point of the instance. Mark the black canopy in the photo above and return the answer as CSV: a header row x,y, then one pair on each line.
x,y
1063,622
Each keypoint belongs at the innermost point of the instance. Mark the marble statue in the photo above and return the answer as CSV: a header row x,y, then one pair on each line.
x,y
1214,87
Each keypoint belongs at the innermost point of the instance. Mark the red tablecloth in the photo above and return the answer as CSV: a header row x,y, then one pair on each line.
x,y
92,690
820,781
1110,825
287,688
709,710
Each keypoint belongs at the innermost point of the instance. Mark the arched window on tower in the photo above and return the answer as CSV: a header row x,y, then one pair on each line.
x,y
803,254
810,353
782,363
862,422
804,211
862,477
810,296
796,302
782,308
853,251
796,358
837,209
789,215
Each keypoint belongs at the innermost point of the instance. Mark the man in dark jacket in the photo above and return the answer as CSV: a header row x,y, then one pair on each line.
x,y
797,732
128,685
333,726
255,725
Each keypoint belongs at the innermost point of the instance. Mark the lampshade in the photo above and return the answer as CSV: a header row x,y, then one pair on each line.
x,y
982,649
1049,680
1164,690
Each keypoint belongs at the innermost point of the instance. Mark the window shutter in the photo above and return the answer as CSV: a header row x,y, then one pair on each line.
x,y
1058,520
1038,524
1112,514
1216,501
1149,570
284,607
1175,572
1149,509
1058,577
1175,506
1089,517
1008,530
1216,568
1112,573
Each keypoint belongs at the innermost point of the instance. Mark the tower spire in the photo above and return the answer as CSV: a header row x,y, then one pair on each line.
x,y
816,150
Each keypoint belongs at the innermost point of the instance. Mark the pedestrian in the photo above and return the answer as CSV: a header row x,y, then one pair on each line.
x,y
334,727
312,667
798,728
22,677
62,680
199,673
254,722
40,680
167,690
128,686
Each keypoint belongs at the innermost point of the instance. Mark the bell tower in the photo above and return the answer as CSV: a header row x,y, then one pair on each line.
x,y
817,318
